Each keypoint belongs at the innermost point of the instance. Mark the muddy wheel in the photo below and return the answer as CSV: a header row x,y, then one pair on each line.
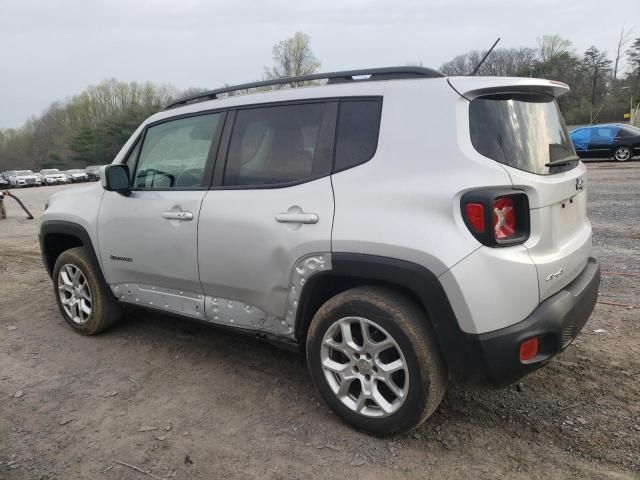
x,y
84,298
374,358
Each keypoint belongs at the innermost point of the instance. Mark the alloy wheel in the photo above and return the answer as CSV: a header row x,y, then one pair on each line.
x,y
75,293
364,367
622,154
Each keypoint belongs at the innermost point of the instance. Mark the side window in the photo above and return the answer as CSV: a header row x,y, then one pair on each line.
x,y
615,132
174,153
604,135
357,137
581,138
272,145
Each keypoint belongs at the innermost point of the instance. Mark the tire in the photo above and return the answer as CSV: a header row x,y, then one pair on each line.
x,y
385,315
622,153
90,291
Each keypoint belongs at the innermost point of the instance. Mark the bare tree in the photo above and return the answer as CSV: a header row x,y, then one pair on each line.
x,y
292,57
551,46
623,40
460,65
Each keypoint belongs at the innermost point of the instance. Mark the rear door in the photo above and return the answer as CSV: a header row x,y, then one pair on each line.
x,y
525,132
148,239
602,141
266,224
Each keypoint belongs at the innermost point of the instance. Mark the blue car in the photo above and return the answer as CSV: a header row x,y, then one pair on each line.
x,y
612,140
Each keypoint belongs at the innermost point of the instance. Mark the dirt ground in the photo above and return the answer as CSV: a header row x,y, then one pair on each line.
x,y
184,400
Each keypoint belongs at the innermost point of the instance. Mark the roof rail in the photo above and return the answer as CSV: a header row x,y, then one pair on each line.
x,y
386,73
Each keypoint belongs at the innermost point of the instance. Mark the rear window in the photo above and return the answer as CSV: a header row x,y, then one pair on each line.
x,y
524,131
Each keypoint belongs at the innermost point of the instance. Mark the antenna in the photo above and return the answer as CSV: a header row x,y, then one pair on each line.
x,y
475,70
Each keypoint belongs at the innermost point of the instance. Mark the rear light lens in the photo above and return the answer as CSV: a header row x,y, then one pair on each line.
x,y
496,217
475,215
504,218
529,349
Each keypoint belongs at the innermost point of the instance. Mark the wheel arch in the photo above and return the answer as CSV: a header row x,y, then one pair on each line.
x,y
56,236
416,281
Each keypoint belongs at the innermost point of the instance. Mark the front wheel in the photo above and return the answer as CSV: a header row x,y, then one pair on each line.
x,y
622,153
84,299
374,358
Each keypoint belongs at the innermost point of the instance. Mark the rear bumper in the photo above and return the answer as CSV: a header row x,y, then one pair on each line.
x,y
494,357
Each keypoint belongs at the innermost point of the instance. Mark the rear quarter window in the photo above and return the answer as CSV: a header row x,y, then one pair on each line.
x,y
357,135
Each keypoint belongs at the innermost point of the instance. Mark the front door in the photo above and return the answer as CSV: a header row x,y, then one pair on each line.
x,y
148,240
266,225
602,140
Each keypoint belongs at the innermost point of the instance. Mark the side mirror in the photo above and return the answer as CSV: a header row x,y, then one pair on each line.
x,y
116,179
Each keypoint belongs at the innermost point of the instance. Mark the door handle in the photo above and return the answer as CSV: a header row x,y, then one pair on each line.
x,y
297,218
177,215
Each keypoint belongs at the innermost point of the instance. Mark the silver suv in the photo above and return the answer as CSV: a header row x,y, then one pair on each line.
x,y
400,227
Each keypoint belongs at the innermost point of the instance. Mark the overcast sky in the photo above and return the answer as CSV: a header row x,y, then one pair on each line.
x,y
53,49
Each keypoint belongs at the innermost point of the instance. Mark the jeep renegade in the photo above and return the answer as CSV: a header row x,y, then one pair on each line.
x,y
402,228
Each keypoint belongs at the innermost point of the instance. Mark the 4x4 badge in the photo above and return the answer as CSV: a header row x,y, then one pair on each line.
x,y
579,184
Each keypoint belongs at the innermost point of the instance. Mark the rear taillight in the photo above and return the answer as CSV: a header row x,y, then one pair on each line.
x,y
496,217
475,215
504,218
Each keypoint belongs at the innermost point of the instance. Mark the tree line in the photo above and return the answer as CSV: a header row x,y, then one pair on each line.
x,y
600,92
91,127
88,128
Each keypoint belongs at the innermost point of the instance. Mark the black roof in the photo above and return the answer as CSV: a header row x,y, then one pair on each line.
x,y
386,73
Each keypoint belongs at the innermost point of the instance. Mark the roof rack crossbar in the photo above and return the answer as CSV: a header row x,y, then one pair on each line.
x,y
386,73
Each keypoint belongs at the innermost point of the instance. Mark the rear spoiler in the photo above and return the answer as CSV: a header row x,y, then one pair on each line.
x,y
471,87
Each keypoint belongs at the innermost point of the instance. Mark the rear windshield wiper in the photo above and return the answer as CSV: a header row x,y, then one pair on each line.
x,y
562,161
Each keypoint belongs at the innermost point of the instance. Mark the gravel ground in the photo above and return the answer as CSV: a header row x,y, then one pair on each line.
x,y
184,400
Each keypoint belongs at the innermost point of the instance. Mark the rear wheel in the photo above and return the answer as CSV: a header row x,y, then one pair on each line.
x,y
84,299
374,359
622,153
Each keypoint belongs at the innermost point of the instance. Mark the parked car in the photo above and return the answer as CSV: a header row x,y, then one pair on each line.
x,y
4,183
618,141
53,176
401,227
77,175
22,178
93,172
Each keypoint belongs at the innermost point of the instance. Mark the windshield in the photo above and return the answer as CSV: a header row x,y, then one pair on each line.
x,y
524,131
75,171
51,170
24,172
